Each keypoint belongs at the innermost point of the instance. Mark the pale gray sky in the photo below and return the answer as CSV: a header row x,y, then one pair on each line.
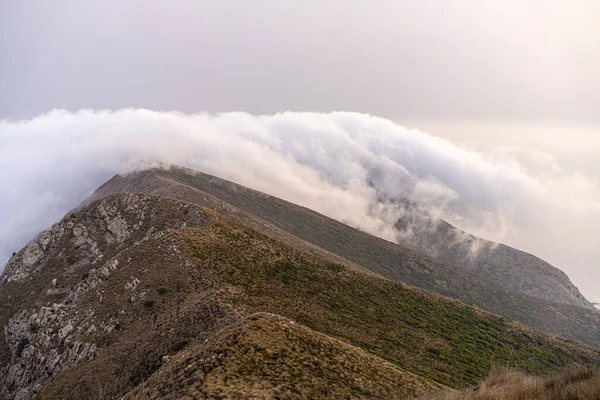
x,y
421,59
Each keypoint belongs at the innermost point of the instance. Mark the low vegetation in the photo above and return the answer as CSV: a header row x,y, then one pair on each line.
x,y
265,356
219,310
574,383
440,339
294,224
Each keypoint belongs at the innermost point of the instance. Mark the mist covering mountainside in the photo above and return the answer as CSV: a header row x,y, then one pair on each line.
x,y
374,254
351,167
416,229
503,264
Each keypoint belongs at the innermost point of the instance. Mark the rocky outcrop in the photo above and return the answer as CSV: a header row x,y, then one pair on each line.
x,y
55,328
43,343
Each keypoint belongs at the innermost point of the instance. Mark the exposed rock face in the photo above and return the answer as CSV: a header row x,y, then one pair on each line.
x,y
25,263
43,343
56,330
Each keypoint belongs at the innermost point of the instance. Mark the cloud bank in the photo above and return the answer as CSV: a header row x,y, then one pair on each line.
x,y
352,167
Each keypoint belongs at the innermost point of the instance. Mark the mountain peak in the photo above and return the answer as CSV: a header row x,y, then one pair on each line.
x,y
176,291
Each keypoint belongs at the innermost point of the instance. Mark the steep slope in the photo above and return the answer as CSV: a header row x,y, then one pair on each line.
x,y
47,325
286,221
510,267
136,294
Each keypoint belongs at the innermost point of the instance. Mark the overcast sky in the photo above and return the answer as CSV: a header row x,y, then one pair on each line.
x,y
516,80
460,59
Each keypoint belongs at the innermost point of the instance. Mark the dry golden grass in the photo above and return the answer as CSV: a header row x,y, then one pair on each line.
x,y
265,356
574,383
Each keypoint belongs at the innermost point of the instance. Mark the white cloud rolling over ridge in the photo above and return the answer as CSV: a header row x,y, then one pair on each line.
x,y
348,166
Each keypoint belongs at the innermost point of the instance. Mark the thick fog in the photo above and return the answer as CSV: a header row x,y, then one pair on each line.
x,y
352,167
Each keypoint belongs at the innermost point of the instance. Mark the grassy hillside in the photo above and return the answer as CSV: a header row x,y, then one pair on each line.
x,y
574,383
435,337
298,226
201,293
268,357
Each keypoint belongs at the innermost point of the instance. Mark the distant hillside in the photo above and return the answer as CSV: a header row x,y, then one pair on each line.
x,y
286,221
510,267
136,295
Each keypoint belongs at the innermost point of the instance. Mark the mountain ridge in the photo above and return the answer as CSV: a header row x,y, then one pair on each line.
x,y
513,268
126,288
510,267
377,255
